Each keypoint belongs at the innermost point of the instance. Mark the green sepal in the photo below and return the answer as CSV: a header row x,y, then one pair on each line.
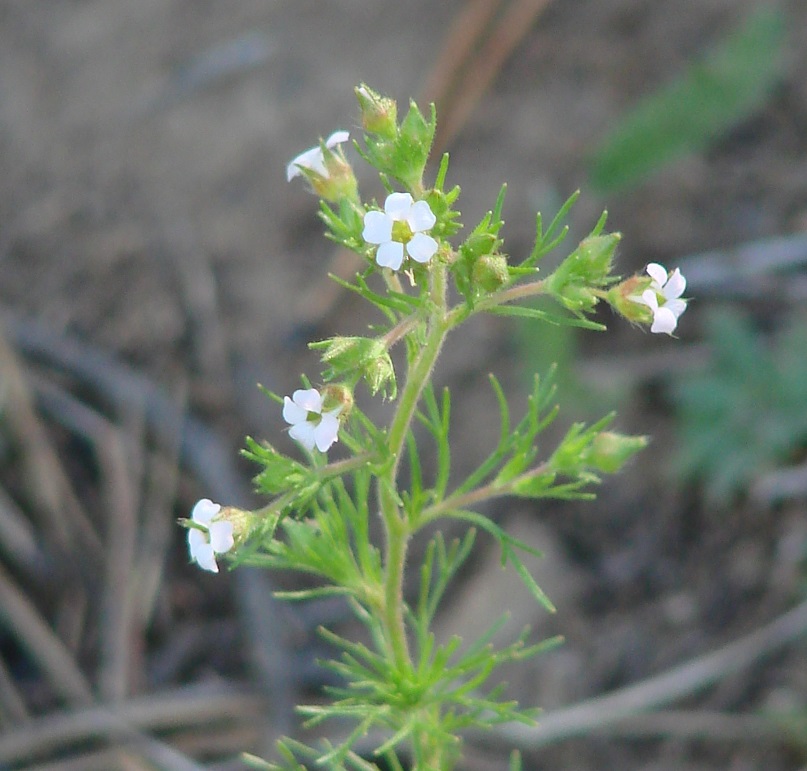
x,y
280,473
402,154
344,224
367,356
575,281
483,241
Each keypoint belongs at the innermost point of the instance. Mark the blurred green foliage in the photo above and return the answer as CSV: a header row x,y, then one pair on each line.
x,y
745,414
706,100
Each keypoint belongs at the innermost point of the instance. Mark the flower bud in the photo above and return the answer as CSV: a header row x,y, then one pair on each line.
x,y
337,396
339,182
242,521
624,299
490,272
379,114
379,372
609,451
584,270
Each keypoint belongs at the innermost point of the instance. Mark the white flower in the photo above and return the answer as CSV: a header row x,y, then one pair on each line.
x,y
310,426
669,287
400,226
216,538
313,159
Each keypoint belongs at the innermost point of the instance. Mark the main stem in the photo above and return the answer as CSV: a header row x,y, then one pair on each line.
x,y
396,526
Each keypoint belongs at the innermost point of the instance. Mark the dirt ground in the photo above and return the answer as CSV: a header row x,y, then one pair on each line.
x,y
144,212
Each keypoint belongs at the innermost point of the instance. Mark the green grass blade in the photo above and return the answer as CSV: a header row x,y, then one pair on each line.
x,y
710,97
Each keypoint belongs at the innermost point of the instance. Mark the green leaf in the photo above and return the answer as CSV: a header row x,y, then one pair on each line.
x,y
710,97
508,545
526,312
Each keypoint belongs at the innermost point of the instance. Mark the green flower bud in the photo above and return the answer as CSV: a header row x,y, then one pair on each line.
x,y
609,451
378,373
365,355
490,272
379,114
625,299
586,269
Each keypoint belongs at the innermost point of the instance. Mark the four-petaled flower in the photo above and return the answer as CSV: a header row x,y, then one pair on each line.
x,y
313,159
669,287
400,227
216,537
310,426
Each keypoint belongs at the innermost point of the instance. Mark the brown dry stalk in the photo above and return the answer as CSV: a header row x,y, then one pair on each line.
x,y
34,634
688,678
171,710
482,70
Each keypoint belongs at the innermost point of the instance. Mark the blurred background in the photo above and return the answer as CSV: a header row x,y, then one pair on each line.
x,y
155,266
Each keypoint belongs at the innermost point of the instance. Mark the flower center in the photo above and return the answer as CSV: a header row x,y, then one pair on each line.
x,y
401,231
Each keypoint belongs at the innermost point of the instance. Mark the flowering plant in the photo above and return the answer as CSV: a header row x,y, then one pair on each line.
x,y
416,693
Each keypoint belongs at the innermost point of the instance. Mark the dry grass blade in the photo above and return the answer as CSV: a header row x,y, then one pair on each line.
x,y
120,389
157,530
714,726
23,620
457,48
46,480
18,542
12,706
177,710
683,680
482,70
120,505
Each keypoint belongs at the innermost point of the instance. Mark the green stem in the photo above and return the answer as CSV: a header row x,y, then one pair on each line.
x,y
484,493
396,526
518,292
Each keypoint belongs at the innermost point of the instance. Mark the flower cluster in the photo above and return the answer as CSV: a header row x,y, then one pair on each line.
x,y
402,231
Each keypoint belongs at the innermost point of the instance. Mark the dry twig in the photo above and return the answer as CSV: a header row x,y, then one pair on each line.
x,y
601,712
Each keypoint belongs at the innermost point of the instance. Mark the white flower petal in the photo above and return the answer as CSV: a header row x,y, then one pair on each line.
x,y
310,159
658,273
304,434
421,217
313,159
337,138
201,551
675,285
196,539
398,205
421,247
221,537
676,307
293,413
664,321
206,559
309,399
204,511
325,433
390,255
377,228
650,300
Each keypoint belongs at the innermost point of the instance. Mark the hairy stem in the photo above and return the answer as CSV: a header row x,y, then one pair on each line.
x,y
396,526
